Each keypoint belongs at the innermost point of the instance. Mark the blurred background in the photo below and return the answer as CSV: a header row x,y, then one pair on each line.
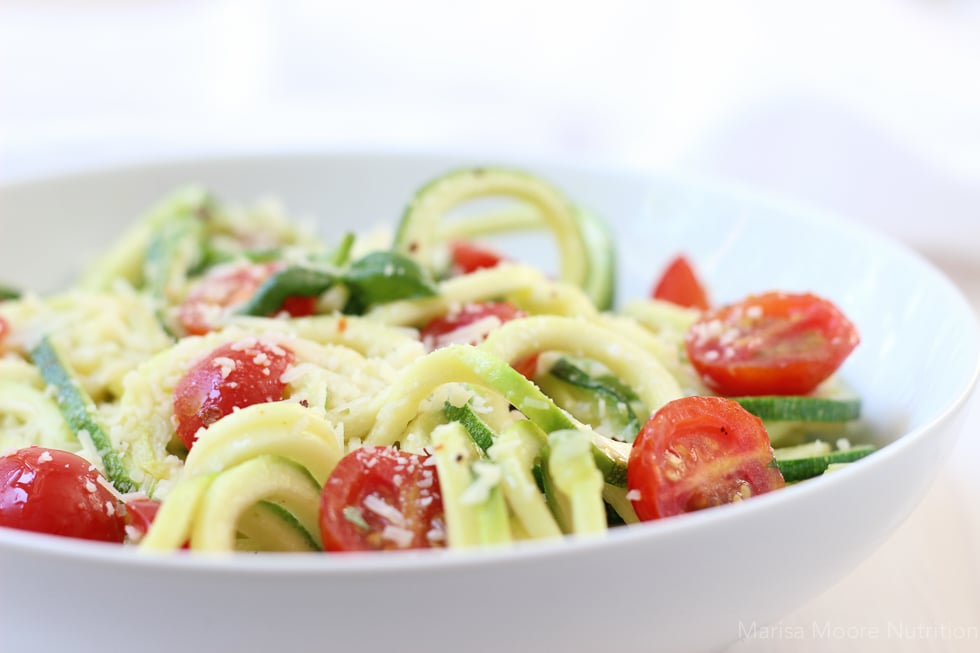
x,y
870,109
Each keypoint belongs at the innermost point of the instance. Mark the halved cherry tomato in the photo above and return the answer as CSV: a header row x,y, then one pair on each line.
x,y
380,498
59,493
235,375
227,286
4,329
471,324
140,513
680,285
482,316
698,452
774,343
468,257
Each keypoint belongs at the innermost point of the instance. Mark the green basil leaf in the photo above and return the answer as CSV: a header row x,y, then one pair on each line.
x,y
382,277
295,281
7,292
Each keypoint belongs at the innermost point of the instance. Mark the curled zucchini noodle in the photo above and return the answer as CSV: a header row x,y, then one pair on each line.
x,y
28,414
522,285
435,201
359,374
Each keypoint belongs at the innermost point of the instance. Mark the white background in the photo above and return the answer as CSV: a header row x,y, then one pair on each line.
x,y
869,108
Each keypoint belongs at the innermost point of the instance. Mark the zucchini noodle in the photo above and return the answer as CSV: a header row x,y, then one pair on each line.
x,y
530,454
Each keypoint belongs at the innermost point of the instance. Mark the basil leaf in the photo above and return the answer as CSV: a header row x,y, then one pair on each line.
x,y
293,281
6,292
382,277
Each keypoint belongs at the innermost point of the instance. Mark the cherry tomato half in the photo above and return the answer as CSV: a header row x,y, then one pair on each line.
x,y
471,324
59,493
774,343
380,498
468,257
698,452
4,329
227,286
235,375
483,317
140,513
680,285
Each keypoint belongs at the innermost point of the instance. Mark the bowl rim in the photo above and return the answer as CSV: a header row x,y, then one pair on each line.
x,y
54,547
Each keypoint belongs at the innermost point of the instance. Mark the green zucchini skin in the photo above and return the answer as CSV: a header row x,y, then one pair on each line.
x,y
800,469
79,411
618,398
475,427
801,409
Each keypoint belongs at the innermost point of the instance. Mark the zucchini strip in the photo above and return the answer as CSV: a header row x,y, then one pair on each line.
x,y
802,409
584,247
234,491
80,412
466,364
605,400
573,483
475,427
515,452
476,513
799,469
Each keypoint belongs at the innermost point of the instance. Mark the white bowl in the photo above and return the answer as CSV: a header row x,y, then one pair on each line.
x,y
685,583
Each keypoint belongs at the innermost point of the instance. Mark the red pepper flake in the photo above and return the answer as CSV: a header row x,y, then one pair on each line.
x,y
342,325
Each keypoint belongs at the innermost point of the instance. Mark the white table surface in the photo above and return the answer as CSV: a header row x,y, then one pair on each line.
x,y
869,109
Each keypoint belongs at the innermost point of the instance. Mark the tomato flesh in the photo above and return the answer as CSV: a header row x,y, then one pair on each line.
x,y
58,493
680,285
380,498
468,325
471,324
235,375
774,343
468,257
699,452
227,286
140,513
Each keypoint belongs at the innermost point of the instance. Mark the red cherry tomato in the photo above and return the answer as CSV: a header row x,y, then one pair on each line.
x,y
59,493
471,324
140,513
235,375
775,343
380,498
468,325
227,286
698,452
680,285
4,329
468,257
299,306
